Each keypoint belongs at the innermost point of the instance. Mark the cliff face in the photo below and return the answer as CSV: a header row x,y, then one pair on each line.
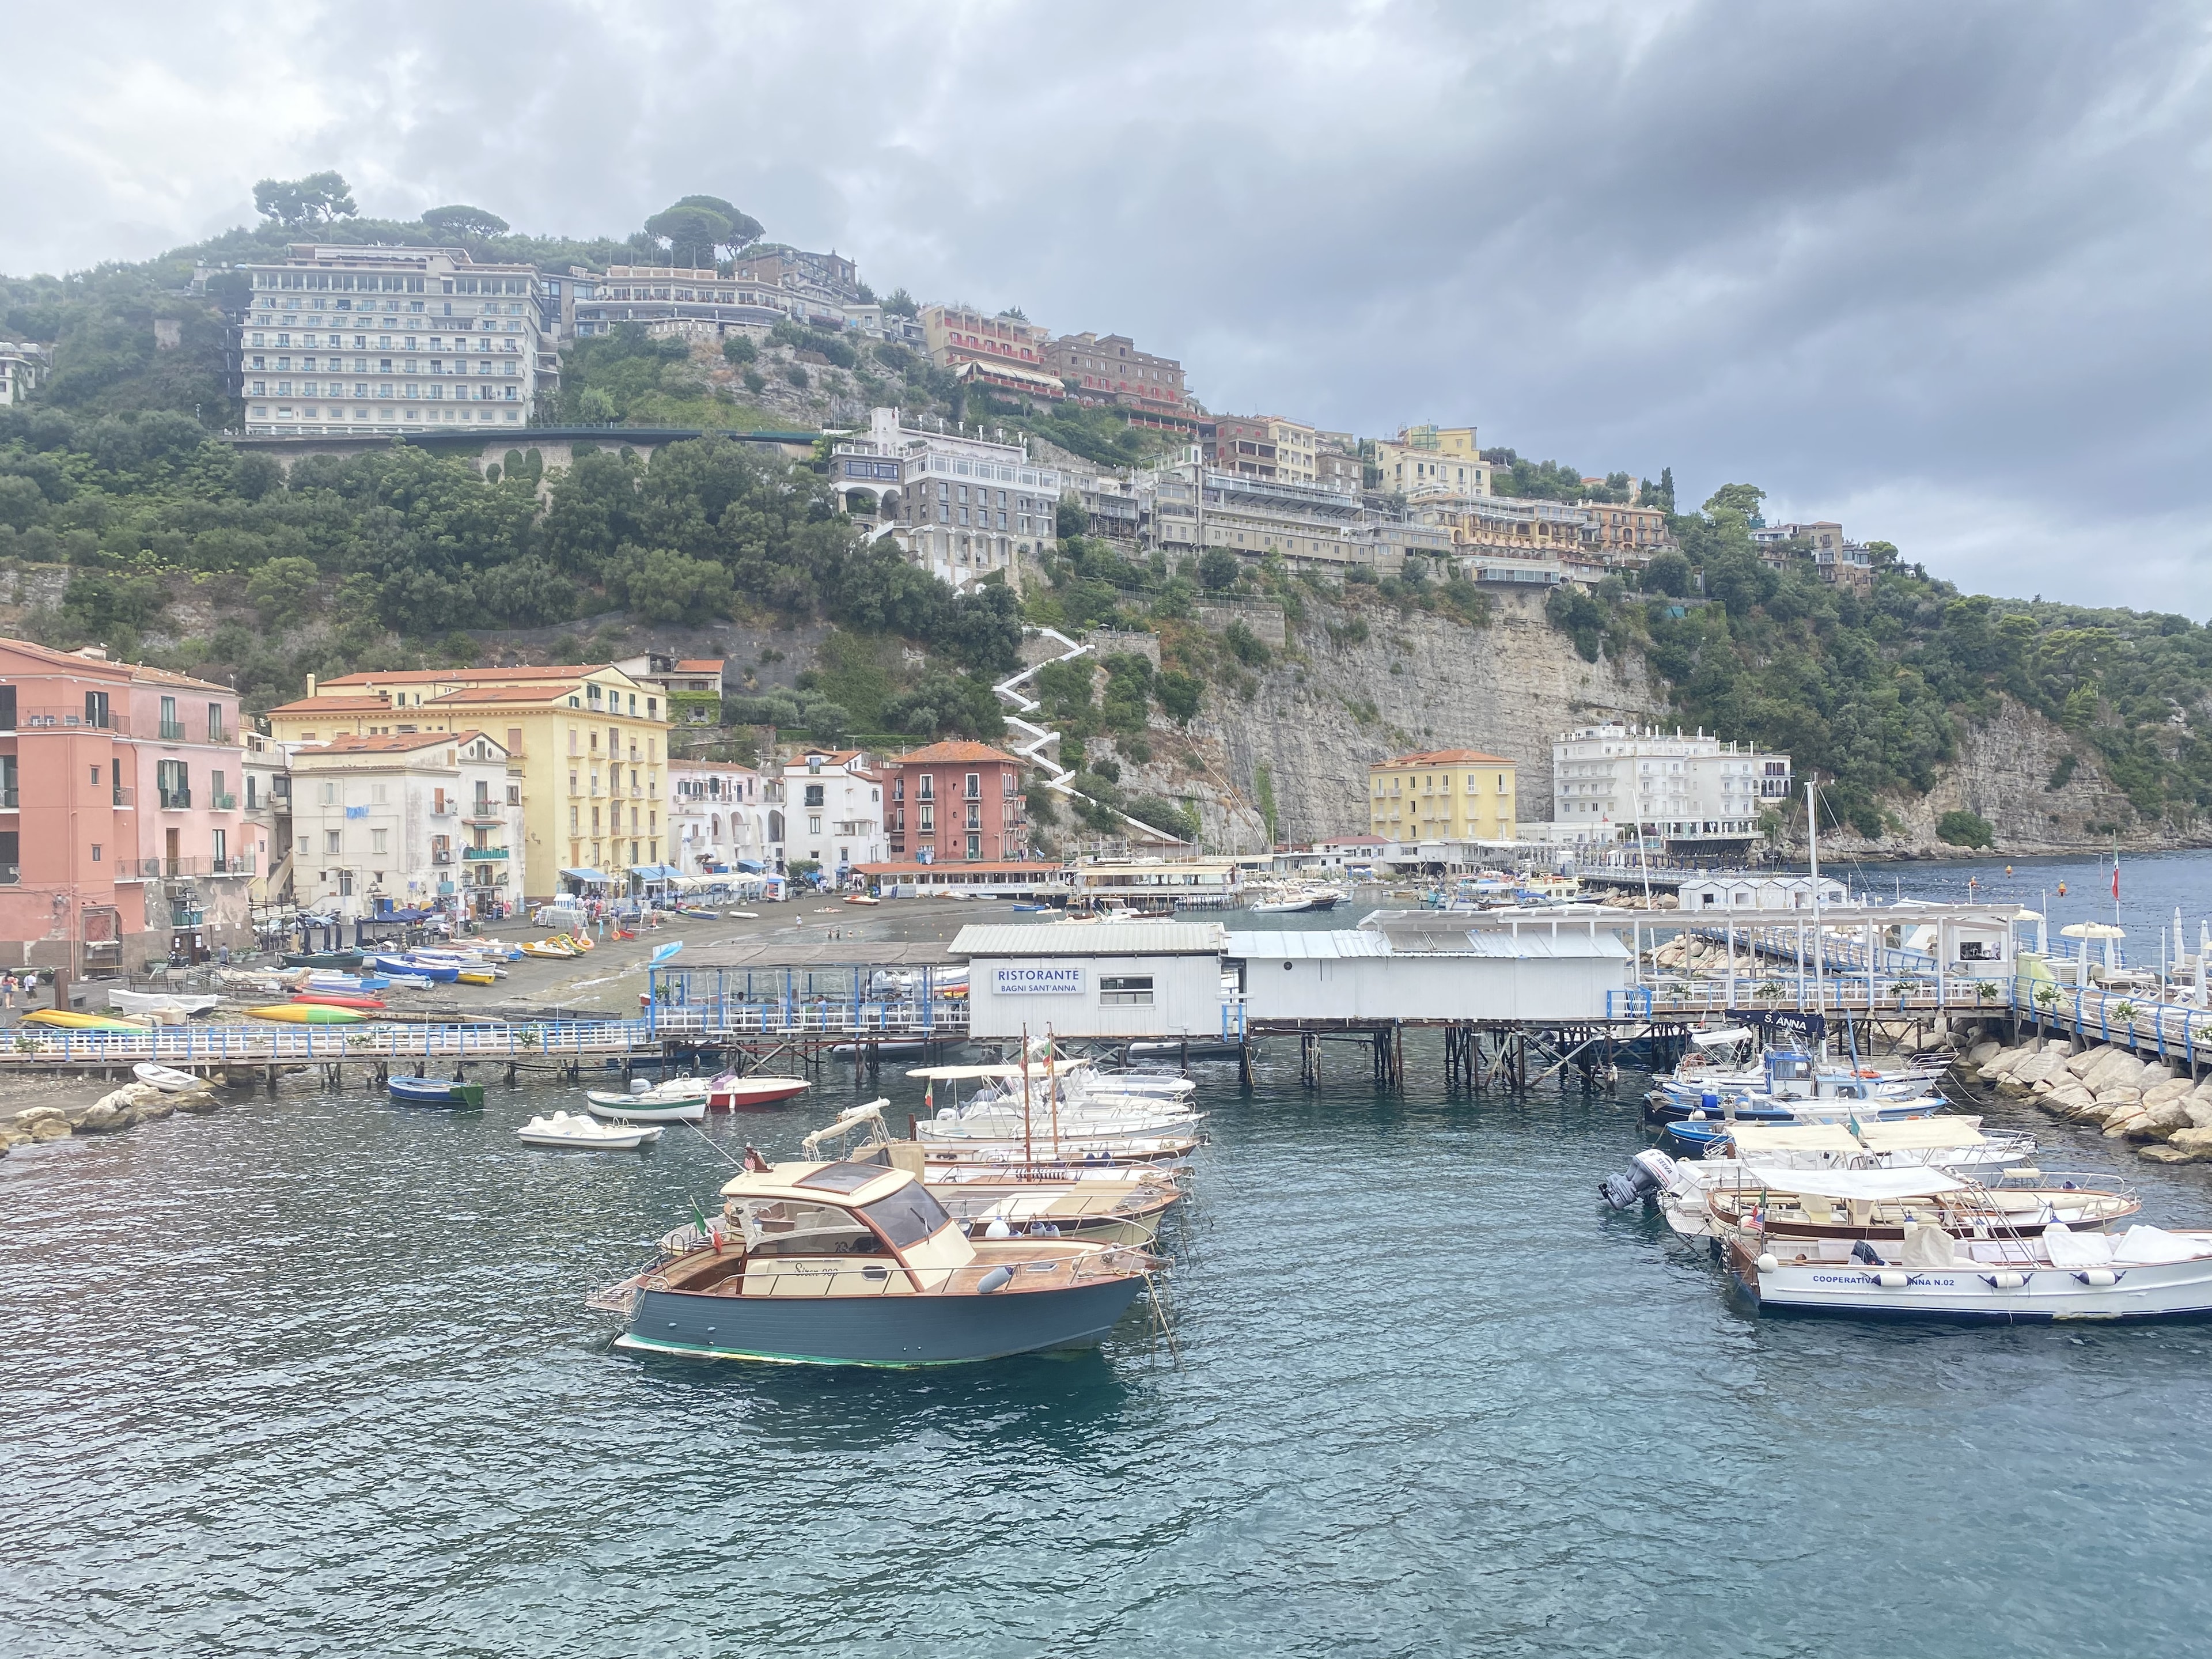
x,y
1333,703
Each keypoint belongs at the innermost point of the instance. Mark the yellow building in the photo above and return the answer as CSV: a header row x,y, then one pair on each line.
x,y
1437,458
1444,795
586,743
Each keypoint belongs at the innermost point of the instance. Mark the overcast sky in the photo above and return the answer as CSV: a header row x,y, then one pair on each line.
x,y
1940,271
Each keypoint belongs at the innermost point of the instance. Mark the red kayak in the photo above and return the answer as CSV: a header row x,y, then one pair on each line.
x,y
338,999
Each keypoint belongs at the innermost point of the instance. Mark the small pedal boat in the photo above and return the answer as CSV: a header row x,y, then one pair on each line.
x,y
575,1130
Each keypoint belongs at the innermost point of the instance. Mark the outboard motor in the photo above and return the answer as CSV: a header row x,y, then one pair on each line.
x,y
1640,1181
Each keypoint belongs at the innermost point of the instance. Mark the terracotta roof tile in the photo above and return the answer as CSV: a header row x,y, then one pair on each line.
x,y
1449,757
335,706
487,694
431,676
952,752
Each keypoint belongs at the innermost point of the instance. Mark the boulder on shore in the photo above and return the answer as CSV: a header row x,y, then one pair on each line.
x,y
2194,1144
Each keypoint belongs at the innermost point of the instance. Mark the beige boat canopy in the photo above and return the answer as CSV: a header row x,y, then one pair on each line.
x,y
1793,1138
1921,1134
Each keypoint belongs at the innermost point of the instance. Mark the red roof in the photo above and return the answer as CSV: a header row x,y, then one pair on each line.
x,y
699,665
1449,757
953,751
431,676
398,742
501,694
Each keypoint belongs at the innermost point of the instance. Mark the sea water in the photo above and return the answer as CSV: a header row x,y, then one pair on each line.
x,y
315,1376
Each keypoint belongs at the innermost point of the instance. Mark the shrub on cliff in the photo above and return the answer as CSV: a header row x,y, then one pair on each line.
x,y
1965,829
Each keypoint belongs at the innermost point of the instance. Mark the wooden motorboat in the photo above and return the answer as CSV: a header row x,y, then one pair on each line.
x,y
727,1093
575,1129
167,1078
854,1264
2146,1273
435,1092
344,959
1875,1204
160,1002
648,1108
307,1013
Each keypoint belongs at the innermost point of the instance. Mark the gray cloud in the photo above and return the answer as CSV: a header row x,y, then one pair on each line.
x,y
1938,271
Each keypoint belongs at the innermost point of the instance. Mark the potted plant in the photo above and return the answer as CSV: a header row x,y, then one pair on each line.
x,y
2046,996
1985,990
2125,1012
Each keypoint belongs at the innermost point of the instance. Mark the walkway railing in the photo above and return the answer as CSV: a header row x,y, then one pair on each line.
x,y
264,1044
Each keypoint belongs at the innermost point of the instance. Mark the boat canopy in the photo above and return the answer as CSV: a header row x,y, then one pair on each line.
x,y
1865,1186
1793,1138
1725,1038
1921,1134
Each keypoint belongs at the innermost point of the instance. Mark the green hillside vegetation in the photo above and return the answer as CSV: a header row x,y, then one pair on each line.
x,y
386,556
1873,692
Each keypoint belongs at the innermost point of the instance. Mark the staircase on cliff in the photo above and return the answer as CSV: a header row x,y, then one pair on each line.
x,y
1037,740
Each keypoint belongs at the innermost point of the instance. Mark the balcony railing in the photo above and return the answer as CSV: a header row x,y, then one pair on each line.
x,y
176,800
8,801
441,858
471,854
63,719
183,869
223,803
10,874
173,730
126,797
442,808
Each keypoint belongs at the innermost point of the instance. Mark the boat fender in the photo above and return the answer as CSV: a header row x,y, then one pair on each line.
x,y
997,1279
2100,1278
998,1229
1891,1279
1766,1263
2004,1281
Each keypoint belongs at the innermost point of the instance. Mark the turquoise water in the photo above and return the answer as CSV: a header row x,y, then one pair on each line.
x,y
314,1375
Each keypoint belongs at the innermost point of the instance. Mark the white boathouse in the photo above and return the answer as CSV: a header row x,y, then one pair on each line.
x,y
1101,979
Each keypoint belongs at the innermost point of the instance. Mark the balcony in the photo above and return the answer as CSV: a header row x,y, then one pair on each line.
x,y
173,730
472,854
223,803
443,809
182,869
62,720
125,797
10,874
176,800
8,803
441,858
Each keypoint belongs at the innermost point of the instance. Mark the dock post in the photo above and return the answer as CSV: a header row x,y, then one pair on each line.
x,y
1245,1067
1398,1053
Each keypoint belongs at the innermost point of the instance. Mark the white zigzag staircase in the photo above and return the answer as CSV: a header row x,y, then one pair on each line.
x,y
1038,739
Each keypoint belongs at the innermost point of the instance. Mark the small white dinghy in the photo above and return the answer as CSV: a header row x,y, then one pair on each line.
x,y
160,1002
167,1078
575,1130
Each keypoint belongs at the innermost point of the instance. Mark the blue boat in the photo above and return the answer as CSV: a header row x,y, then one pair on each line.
x,y
816,1295
435,1092
446,972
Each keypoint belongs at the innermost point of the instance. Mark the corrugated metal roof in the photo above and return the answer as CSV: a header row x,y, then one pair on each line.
x,y
1287,945
826,953
1101,939
1532,945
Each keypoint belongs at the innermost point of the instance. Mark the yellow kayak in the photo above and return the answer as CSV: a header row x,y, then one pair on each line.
x,y
476,976
69,1019
307,1013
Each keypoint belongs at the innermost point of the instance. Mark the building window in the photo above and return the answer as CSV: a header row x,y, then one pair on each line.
x,y
329,841
1124,990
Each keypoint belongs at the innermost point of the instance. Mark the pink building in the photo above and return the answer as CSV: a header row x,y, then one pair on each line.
x,y
121,841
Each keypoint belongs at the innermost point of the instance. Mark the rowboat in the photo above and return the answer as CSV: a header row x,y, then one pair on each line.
x,y
573,1129
646,1108
167,1078
435,1092
729,1093
443,972
797,1267
69,1019
307,1013
160,1002
337,1000
476,976
324,959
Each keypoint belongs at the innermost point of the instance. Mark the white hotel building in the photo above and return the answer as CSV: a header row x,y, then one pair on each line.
x,y
1676,789
959,507
350,341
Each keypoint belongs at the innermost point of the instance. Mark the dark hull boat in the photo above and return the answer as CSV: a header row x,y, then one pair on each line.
x,y
435,1092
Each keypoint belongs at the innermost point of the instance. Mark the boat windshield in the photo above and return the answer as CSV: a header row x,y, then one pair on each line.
x,y
907,1216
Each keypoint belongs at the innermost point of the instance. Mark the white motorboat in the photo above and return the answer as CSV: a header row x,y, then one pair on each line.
x,y
160,1002
167,1078
674,1100
575,1130
2146,1273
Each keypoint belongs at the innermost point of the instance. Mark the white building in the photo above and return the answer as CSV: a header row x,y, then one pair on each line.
x,y
22,366
834,810
265,770
360,340
719,817
958,506
424,819
1678,788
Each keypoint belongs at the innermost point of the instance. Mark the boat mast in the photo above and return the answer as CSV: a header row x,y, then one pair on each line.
x,y
1029,1152
1051,1091
1813,849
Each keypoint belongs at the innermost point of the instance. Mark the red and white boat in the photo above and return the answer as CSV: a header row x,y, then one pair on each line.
x,y
728,1093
